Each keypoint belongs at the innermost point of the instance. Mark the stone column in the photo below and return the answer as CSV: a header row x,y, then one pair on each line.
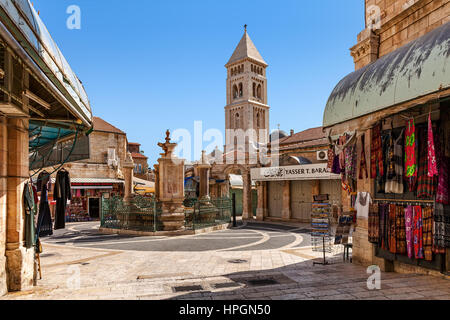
x,y
286,209
19,260
260,208
266,199
203,169
128,167
247,196
3,203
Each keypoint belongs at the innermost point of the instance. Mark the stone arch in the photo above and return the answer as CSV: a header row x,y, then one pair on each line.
x,y
259,91
235,91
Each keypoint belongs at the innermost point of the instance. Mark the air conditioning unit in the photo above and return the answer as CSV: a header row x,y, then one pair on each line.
x,y
322,155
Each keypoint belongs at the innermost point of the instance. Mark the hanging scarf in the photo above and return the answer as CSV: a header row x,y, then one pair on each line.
x,y
425,185
410,154
376,152
350,162
400,231
432,166
330,158
384,223
374,220
427,218
417,232
392,229
443,187
409,224
441,226
363,164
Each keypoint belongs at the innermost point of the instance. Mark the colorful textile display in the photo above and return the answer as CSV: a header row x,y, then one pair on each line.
x,y
384,226
410,154
417,232
350,162
394,179
392,229
342,141
400,229
432,166
336,169
443,187
363,164
442,225
425,184
427,219
374,224
409,224
376,152
330,158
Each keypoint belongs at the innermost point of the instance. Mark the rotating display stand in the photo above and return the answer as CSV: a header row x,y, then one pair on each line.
x,y
321,238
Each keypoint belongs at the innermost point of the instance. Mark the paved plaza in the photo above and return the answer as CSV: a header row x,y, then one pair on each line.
x,y
254,261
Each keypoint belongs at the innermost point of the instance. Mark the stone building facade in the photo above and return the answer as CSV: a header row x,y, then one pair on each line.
x,y
107,152
140,161
290,198
401,62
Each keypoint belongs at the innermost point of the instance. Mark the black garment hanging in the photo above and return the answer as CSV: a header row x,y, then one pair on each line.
x,y
61,194
44,227
30,212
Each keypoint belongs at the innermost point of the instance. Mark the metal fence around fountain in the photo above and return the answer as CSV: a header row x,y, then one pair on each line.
x,y
208,213
137,214
144,213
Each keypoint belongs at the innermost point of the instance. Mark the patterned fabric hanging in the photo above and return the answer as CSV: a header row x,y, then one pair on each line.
x,y
394,178
441,226
330,158
410,154
443,187
417,232
363,164
392,229
427,218
432,166
384,226
400,229
376,152
409,226
374,220
425,185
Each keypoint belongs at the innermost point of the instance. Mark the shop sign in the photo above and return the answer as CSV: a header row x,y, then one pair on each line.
x,y
303,172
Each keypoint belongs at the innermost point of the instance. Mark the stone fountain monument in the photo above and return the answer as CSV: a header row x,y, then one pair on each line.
x,y
170,186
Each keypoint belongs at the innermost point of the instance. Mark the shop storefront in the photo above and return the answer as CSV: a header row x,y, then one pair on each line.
x,y
396,112
86,197
290,190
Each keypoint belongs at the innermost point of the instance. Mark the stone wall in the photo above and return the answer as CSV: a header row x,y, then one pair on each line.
x,y
3,204
402,21
96,166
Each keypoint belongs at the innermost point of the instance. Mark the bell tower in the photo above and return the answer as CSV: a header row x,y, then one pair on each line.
x,y
247,106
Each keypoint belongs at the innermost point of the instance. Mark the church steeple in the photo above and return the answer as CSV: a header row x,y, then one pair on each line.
x,y
246,49
247,107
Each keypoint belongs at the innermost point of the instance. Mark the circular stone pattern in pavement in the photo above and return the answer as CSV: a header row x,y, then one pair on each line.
x,y
252,236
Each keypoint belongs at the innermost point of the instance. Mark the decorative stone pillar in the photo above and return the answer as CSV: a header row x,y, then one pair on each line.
x,y
203,169
128,167
171,186
366,51
286,209
247,196
260,208
19,260
266,198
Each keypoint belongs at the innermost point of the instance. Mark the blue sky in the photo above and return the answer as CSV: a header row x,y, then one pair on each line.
x,y
149,65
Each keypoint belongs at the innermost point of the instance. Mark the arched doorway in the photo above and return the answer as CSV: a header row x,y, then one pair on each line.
x,y
241,185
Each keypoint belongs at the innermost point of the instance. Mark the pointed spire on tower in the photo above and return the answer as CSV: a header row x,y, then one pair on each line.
x,y
246,49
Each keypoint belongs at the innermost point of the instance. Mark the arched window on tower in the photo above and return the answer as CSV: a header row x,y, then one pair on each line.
x,y
254,89
237,121
257,120
258,92
235,92
241,91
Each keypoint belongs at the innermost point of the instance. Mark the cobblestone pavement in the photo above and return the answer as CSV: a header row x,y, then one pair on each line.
x,y
255,261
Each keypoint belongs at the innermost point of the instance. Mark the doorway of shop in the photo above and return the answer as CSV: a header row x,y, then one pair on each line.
x,y
94,208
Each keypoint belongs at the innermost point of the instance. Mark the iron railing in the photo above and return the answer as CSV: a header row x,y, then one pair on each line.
x,y
144,214
208,213
138,214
